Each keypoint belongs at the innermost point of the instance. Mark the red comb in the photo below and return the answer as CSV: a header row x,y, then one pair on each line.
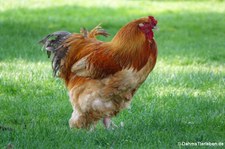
x,y
153,20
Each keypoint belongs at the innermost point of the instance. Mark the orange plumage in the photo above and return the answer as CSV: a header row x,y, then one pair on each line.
x,y
102,77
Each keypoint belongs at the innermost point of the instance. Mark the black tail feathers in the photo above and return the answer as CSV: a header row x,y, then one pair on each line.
x,y
52,44
52,41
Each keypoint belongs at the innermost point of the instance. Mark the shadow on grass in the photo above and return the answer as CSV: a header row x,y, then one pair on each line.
x,y
184,34
21,29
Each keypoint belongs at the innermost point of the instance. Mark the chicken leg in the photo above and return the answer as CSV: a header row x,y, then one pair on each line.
x,y
108,123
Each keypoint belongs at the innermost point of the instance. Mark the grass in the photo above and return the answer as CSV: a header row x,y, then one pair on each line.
x,y
183,99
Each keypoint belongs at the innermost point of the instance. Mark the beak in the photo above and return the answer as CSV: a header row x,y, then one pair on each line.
x,y
156,28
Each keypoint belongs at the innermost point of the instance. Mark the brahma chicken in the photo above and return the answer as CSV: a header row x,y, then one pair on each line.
x,y
102,77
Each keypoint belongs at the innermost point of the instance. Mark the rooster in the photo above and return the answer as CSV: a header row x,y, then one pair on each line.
x,y
102,77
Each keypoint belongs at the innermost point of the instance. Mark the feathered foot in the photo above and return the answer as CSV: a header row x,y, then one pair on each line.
x,y
92,127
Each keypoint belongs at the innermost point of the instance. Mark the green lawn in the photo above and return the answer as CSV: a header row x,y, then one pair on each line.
x,y
183,100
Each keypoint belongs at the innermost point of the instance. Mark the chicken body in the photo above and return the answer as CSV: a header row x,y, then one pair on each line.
x,y
98,98
102,77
